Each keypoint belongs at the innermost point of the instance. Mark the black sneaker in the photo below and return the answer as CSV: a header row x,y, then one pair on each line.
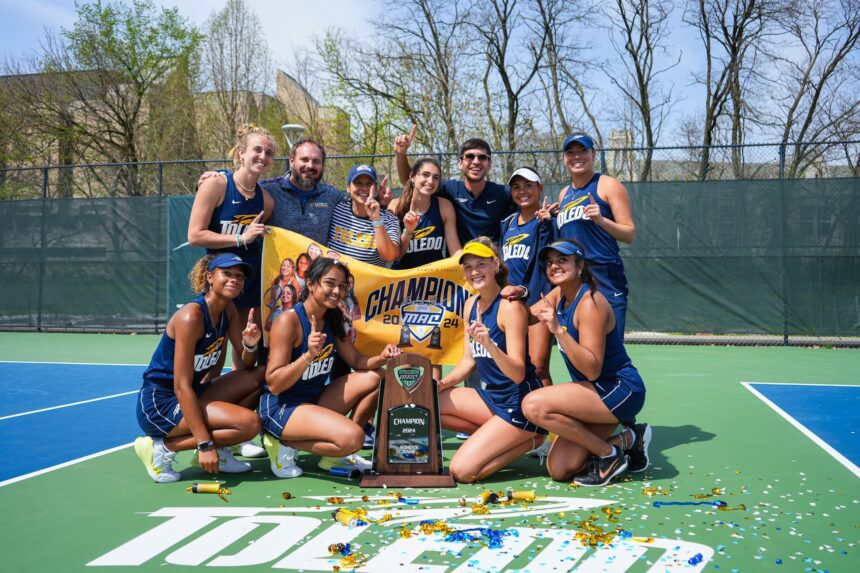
x,y
637,455
601,470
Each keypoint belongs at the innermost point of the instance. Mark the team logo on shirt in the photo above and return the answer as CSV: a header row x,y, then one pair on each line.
x,y
421,242
515,249
322,363
573,211
420,317
209,357
237,225
478,350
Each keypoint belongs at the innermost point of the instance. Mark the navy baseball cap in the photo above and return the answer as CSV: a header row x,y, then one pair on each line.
x,y
563,247
228,261
361,170
579,138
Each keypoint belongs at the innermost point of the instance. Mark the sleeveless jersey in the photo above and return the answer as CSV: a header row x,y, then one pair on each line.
x,y
312,381
428,243
615,356
600,246
207,351
233,216
491,374
520,247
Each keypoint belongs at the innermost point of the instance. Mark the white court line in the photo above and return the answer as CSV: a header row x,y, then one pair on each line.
x,y
806,431
803,384
70,404
63,465
68,363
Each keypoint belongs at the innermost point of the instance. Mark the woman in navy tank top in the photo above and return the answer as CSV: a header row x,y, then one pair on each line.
x,y
230,211
606,389
595,211
496,343
298,408
429,222
184,403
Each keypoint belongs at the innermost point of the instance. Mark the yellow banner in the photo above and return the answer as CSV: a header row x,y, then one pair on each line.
x,y
420,309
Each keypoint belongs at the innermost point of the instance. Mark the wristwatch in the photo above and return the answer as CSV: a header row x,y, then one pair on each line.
x,y
205,446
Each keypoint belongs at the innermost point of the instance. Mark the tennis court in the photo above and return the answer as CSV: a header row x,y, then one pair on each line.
x,y
771,432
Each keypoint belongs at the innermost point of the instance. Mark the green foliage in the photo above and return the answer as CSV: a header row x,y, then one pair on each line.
x,y
137,42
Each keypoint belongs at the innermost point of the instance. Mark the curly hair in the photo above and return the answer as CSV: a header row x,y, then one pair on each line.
x,y
242,135
197,274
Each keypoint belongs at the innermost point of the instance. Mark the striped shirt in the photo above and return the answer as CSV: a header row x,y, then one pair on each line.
x,y
355,237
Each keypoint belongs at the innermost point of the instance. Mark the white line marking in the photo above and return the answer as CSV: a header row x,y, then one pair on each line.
x,y
806,431
70,404
803,384
69,363
64,464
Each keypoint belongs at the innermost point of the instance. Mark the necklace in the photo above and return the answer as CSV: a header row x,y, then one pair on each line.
x,y
241,187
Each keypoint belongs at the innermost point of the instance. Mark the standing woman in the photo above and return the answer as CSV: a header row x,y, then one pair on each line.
x,y
606,388
429,222
595,211
524,234
299,411
184,404
229,211
496,343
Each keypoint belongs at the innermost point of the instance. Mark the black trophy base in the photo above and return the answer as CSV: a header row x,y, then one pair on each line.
x,y
407,480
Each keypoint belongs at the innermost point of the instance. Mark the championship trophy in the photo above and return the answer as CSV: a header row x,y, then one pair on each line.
x,y
408,448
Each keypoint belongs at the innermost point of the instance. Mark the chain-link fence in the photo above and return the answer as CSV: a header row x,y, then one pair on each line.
x,y
715,163
755,261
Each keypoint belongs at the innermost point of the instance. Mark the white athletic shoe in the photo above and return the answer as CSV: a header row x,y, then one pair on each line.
x,y
353,461
157,459
249,450
226,462
282,458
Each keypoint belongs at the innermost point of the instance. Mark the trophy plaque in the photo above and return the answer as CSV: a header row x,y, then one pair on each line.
x,y
408,448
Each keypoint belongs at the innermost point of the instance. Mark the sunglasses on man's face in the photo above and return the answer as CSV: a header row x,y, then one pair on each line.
x,y
472,156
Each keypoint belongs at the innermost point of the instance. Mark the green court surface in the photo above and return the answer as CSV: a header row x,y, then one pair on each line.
x,y
790,505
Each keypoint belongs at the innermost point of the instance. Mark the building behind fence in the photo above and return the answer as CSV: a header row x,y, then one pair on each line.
x,y
759,260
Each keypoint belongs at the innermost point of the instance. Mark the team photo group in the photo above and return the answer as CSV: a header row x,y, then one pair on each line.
x,y
542,271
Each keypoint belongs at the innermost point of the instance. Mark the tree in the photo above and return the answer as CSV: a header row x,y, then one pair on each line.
x,y
236,63
640,29
103,70
509,71
730,30
816,82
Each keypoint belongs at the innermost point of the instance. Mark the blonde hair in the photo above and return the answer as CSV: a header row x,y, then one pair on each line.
x,y
502,273
197,274
242,141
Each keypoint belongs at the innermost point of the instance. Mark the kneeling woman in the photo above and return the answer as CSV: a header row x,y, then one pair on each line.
x,y
496,343
606,387
299,411
184,404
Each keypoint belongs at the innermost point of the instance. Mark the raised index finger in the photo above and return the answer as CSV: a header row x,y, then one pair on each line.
x,y
251,317
258,218
313,324
544,201
412,133
591,197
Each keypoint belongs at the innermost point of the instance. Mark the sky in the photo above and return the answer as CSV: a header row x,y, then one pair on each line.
x,y
289,26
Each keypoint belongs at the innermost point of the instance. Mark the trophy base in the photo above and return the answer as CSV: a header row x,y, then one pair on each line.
x,y
407,480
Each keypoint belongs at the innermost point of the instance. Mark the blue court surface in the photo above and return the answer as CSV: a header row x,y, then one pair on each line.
x,y
53,413
826,414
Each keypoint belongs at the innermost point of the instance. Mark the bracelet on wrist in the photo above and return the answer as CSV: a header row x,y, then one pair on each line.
x,y
237,240
377,223
305,360
249,348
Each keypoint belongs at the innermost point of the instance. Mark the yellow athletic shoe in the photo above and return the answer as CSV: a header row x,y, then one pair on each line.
x,y
157,459
282,458
353,461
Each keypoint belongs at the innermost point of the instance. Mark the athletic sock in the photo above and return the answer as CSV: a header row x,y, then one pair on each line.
x,y
613,453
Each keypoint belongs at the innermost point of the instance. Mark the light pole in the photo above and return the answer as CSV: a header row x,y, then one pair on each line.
x,y
292,131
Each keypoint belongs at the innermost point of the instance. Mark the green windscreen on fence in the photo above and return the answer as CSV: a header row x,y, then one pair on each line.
x,y
764,257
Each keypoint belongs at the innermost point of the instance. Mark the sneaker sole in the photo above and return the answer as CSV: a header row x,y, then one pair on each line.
x,y
646,440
